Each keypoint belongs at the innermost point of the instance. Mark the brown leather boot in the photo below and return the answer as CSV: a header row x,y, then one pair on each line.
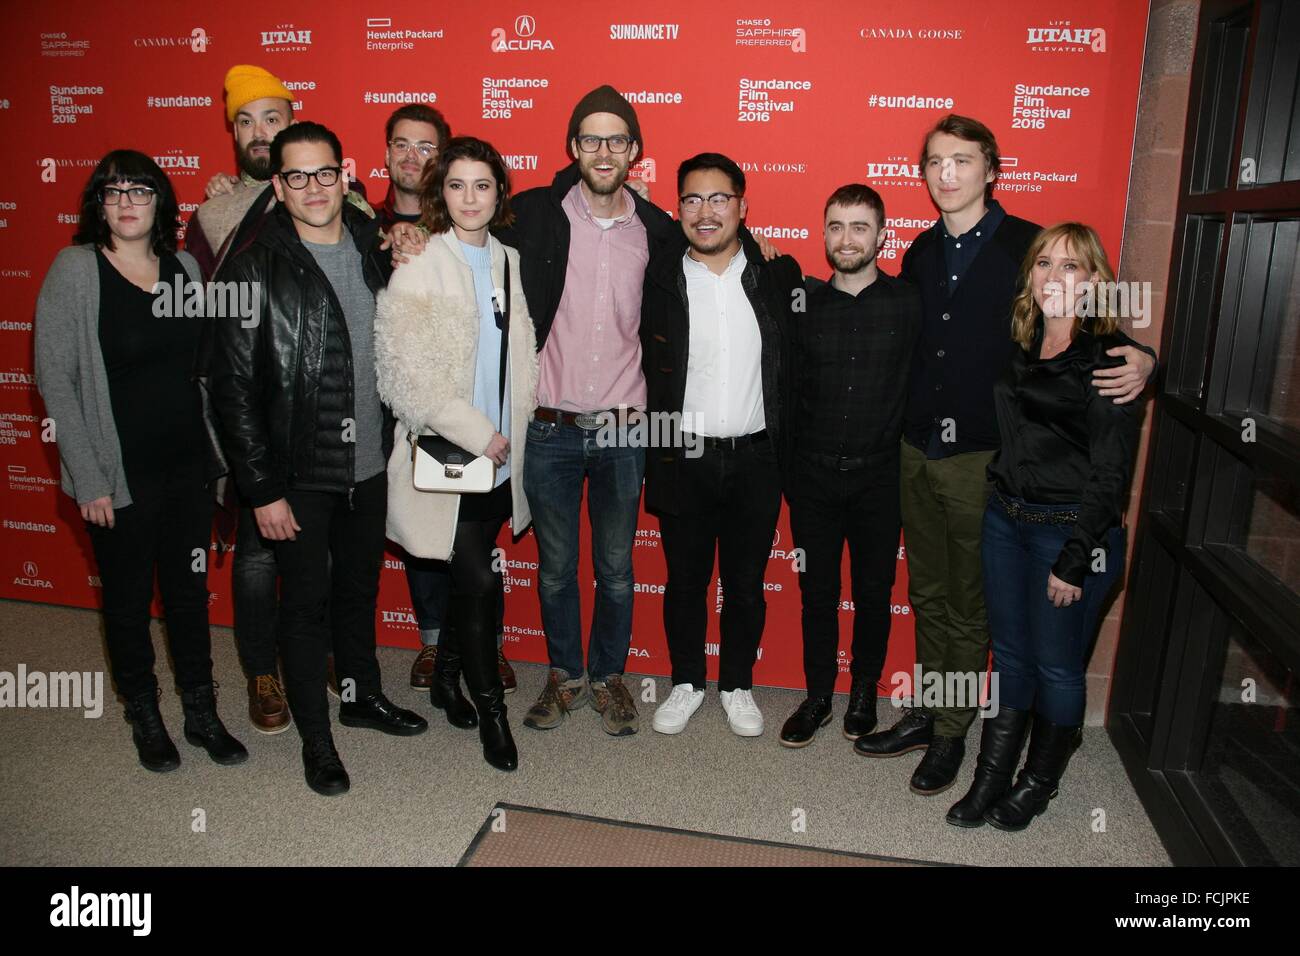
x,y
268,708
507,672
422,667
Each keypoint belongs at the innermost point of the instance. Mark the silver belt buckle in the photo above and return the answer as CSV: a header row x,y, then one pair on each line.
x,y
589,421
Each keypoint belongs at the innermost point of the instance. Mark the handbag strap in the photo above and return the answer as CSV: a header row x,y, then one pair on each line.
x,y
504,322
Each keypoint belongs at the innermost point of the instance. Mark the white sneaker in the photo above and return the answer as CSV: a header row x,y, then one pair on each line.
x,y
672,715
743,715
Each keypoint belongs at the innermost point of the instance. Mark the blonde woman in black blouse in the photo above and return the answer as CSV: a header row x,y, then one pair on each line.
x,y
1053,535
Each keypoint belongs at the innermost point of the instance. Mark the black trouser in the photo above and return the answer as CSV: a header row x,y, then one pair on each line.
x,y
474,583
329,582
728,503
161,530
827,508
253,591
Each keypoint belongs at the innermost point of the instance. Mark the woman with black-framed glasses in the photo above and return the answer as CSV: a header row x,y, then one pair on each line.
x,y
114,356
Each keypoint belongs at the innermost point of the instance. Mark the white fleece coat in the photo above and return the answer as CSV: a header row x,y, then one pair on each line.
x,y
426,346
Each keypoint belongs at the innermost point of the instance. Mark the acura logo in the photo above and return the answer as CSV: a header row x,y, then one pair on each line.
x,y
525,26
30,569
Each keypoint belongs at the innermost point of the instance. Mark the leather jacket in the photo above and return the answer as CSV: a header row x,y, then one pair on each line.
x,y
282,387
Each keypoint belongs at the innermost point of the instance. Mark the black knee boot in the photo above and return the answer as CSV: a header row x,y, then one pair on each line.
x,y
474,619
203,728
1002,739
153,744
444,692
1050,746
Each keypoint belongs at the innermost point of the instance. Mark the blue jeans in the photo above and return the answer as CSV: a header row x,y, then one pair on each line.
x,y
1040,651
430,585
560,458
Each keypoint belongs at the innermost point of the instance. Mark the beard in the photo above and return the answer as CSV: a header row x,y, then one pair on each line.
x,y
259,167
849,263
602,188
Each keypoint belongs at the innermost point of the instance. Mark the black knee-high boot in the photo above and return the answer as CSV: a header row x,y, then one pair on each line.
x,y
444,692
474,619
1001,740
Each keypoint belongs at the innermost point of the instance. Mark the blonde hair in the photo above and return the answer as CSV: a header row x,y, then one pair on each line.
x,y
1085,244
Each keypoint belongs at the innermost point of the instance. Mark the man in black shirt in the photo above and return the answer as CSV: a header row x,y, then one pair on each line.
x,y
849,355
967,267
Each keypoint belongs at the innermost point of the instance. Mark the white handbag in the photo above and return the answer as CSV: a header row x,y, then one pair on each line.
x,y
440,465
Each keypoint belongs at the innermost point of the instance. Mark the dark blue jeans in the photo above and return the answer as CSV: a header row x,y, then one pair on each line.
x,y
1040,651
560,459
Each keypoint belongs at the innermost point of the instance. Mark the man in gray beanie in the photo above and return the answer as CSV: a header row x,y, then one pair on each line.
x,y
584,242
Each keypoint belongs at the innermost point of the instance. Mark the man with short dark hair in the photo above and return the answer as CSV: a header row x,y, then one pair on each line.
x,y
714,319
849,354
306,437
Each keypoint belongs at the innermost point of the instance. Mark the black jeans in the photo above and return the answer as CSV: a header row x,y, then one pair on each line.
x,y
329,584
729,503
474,582
158,532
253,591
827,508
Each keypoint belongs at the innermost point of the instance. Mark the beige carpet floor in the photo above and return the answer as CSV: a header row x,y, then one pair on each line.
x,y
71,791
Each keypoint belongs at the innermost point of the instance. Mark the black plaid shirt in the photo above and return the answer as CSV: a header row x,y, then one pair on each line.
x,y
849,357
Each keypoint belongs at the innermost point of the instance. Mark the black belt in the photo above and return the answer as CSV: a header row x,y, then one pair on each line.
x,y
837,462
731,444
589,421
1030,515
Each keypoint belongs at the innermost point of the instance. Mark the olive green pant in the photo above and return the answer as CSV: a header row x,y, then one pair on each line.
x,y
943,502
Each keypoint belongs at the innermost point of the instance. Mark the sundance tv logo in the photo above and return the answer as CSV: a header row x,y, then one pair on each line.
x,y
525,38
196,41
1060,37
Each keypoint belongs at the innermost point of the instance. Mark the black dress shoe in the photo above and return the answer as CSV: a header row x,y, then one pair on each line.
x,y
860,718
377,712
153,745
912,732
1050,747
323,768
937,770
1001,740
812,715
444,691
203,728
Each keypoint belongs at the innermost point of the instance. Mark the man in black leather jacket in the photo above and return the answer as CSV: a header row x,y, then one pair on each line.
x,y
307,439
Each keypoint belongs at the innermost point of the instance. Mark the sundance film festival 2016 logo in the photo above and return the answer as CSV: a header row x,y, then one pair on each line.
x,y
285,38
196,41
525,39
1060,36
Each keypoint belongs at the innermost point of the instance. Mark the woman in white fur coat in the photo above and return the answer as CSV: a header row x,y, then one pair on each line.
x,y
438,358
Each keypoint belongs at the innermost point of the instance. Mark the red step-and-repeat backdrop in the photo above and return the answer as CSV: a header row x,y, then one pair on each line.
x,y
806,97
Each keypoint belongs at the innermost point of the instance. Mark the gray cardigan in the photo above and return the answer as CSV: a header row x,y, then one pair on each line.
x,y
72,380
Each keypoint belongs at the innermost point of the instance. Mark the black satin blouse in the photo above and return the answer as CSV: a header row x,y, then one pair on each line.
x,y
1063,443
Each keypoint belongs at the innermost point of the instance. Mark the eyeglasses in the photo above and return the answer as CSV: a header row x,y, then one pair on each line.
x,y
717,201
297,179
402,147
616,144
138,195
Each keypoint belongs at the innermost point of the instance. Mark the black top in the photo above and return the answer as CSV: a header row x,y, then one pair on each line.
x,y
149,359
960,251
965,331
849,358
1063,443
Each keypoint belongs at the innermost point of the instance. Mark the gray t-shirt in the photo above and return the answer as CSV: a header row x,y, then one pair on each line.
x,y
341,264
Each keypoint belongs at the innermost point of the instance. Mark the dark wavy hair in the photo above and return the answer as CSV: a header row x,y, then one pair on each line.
x,y
433,208
129,166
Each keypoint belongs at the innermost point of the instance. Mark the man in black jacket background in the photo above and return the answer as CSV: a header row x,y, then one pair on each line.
x,y
295,397
715,318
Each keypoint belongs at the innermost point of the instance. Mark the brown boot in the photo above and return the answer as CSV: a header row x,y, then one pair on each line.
x,y
268,708
507,672
422,668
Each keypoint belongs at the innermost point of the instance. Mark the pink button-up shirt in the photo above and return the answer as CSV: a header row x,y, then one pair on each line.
x,y
592,357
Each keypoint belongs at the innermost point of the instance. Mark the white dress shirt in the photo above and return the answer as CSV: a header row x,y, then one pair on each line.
x,y
724,371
